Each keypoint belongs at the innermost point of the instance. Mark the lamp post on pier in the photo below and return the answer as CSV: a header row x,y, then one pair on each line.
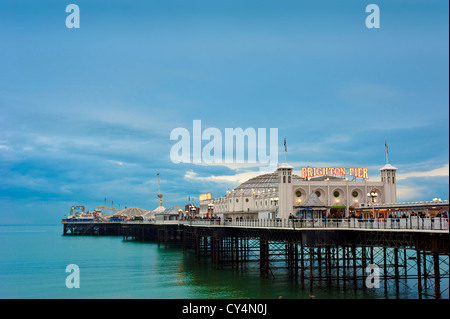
x,y
210,210
373,194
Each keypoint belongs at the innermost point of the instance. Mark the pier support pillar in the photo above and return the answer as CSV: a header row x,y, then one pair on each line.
x,y
396,272
302,264
437,276
419,274
311,269
264,258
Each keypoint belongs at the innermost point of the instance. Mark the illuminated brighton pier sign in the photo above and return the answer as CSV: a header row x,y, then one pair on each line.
x,y
205,196
321,171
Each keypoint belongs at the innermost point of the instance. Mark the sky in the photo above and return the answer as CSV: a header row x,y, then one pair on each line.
x,y
86,113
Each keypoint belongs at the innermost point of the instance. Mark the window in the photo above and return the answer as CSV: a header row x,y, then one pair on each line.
x,y
237,200
393,182
298,193
246,200
318,193
284,179
336,193
289,178
355,194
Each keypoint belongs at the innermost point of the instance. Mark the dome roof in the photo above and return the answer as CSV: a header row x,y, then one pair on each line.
x,y
259,184
132,211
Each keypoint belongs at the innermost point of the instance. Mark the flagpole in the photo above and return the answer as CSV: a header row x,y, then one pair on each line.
x,y
285,149
387,156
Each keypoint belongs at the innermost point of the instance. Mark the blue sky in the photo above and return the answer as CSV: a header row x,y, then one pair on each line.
x,y
86,114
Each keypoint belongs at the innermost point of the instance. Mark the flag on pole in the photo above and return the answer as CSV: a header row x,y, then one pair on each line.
x,y
285,147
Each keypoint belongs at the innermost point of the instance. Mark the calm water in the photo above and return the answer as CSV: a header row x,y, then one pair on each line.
x,y
33,260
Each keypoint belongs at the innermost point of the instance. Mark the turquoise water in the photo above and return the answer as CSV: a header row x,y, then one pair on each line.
x,y
33,261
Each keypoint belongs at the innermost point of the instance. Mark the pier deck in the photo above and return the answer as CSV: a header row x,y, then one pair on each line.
x,y
337,251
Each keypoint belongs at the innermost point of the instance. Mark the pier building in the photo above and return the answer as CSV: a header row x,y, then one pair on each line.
x,y
282,193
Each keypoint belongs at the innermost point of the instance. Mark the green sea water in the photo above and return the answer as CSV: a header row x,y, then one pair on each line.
x,y
33,261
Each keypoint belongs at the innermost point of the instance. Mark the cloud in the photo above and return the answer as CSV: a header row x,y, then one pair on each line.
x,y
411,192
120,163
226,179
437,172
411,185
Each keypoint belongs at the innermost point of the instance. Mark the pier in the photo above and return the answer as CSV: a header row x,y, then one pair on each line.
x,y
405,251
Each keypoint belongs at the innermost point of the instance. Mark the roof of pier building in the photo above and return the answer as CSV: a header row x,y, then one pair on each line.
x,y
313,202
159,210
267,183
131,212
259,184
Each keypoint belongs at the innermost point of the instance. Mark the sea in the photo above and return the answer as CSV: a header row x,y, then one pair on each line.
x,y
34,261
